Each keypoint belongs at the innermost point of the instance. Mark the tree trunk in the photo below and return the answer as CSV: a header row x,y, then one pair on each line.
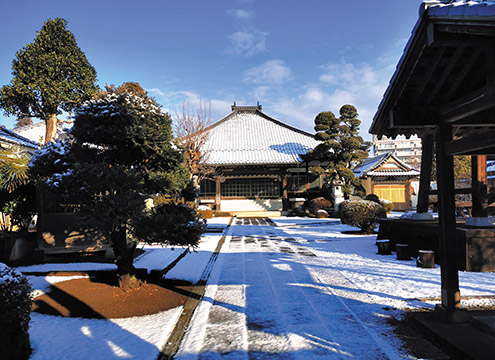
x,y
124,254
51,127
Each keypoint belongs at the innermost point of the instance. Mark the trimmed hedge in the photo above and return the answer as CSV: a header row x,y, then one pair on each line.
x,y
387,205
15,305
363,214
319,203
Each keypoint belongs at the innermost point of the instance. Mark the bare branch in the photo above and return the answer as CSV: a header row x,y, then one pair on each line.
x,y
191,127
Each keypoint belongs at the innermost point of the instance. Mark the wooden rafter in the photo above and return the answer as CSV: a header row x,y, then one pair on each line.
x,y
473,103
445,73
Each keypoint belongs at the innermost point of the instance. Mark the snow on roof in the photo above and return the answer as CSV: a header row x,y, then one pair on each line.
x,y
36,132
460,8
247,136
11,137
376,166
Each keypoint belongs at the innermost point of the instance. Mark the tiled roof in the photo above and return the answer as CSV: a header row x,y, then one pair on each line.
x,y
248,136
13,138
453,9
371,167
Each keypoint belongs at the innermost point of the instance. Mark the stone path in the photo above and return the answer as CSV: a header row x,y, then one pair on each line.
x,y
267,298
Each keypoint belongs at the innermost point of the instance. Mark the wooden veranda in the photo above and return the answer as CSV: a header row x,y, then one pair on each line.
x,y
444,91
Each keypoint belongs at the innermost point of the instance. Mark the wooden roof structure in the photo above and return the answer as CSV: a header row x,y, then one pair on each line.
x,y
446,76
443,90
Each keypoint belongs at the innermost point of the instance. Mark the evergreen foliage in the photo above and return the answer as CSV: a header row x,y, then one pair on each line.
x,y
15,302
50,75
121,153
341,146
363,214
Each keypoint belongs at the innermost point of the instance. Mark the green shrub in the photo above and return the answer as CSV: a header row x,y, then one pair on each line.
x,y
342,205
15,305
363,214
387,205
171,224
319,203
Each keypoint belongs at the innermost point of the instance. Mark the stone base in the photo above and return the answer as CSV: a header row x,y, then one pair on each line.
x,y
421,216
457,315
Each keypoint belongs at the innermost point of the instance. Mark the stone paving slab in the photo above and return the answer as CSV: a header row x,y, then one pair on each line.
x,y
268,301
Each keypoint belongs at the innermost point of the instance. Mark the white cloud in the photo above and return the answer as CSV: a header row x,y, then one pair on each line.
x,y
272,72
155,91
241,14
340,83
219,107
247,43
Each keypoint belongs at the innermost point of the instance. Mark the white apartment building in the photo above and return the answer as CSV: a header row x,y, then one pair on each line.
x,y
406,150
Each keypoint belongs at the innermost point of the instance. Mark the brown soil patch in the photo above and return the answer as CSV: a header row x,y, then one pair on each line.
x,y
90,298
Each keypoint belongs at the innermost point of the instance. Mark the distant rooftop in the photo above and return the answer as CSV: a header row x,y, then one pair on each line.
x,y
11,137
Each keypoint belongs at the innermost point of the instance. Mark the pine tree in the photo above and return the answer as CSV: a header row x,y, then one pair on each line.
x,y
342,148
122,151
50,75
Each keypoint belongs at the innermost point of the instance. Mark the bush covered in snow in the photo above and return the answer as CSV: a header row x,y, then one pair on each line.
x,y
363,214
15,305
171,224
387,205
321,214
319,203
342,205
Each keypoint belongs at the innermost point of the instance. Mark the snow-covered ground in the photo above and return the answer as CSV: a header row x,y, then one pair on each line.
x,y
304,290
300,289
54,337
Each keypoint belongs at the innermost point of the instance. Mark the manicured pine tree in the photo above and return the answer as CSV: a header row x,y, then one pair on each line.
x,y
122,152
50,75
342,148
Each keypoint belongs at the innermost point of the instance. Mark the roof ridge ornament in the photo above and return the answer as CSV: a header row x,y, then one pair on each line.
x,y
235,107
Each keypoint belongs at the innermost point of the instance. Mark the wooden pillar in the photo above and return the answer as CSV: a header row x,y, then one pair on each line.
x,y
479,186
425,177
307,177
218,197
285,196
407,194
449,310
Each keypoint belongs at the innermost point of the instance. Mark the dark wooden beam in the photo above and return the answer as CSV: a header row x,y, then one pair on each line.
x,y
471,104
425,177
463,191
466,28
471,144
451,297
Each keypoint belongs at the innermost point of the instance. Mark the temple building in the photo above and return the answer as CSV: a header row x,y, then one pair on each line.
x,y
390,178
257,162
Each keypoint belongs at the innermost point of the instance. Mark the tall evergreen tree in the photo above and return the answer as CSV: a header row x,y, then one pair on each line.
x,y
51,75
122,152
342,148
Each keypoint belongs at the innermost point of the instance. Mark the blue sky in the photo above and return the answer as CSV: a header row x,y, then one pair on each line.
x,y
296,58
